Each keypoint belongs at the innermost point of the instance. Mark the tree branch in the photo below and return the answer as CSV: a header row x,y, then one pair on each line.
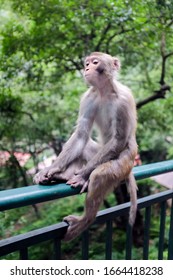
x,y
164,58
28,114
162,50
159,94
105,31
122,31
170,23
168,55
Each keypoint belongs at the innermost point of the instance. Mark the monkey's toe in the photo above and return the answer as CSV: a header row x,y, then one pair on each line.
x,y
36,179
74,228
71,219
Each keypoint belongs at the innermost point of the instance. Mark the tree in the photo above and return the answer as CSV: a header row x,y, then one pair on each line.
x,y
42,46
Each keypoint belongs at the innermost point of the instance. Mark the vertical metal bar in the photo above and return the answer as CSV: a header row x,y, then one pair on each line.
x,y
108,254
146,232
128,242
57,249
24,254
85,245
170,244
162,230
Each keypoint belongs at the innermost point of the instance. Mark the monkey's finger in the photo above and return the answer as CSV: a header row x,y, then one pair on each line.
x,y
74,183
52,172
36,179
39,179
69,182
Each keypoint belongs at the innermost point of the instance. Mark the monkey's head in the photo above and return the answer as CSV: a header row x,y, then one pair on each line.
x,y
100,66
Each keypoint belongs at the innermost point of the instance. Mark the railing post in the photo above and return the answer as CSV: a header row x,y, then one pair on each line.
x,y
24,254
128,242
85,245
147,232
57,249
162,230
109,240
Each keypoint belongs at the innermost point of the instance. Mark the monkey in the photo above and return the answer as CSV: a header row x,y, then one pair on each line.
x,y
98,165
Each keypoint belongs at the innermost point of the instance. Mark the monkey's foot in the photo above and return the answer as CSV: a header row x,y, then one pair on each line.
x,y
76,181
76,226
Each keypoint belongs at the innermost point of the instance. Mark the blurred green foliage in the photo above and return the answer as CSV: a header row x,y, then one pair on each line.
x,y
42,46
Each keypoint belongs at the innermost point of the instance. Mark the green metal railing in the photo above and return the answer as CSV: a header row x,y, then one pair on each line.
x,y
15,198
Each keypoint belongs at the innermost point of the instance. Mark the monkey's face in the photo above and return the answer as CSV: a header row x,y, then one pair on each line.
x,y
94,70
100,68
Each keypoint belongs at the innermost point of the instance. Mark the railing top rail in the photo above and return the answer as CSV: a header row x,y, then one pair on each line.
x,y
29,195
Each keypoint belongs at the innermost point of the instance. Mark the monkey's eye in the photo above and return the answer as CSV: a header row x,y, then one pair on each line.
x,y
95,61
86,63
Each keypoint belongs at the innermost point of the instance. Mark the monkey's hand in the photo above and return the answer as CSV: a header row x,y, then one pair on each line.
x,y
48,175
52,171
41,177
78,180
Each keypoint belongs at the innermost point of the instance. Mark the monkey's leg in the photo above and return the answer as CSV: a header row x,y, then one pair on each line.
x,y
101,181
90,150
74,167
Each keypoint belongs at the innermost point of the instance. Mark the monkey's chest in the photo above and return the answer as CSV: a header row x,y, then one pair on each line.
x,y
105,120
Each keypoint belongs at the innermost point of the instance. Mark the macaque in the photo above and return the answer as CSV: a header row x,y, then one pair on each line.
x,y
98,166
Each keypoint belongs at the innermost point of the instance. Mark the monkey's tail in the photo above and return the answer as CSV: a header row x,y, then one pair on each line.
x,y
132,189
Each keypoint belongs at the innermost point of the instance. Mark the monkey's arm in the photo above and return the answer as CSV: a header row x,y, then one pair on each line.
x,y
72,150
75,145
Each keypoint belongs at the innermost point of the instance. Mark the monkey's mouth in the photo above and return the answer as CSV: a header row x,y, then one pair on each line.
x,y
86,74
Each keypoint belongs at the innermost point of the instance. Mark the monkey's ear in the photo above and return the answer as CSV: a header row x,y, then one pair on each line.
x,y
117,63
